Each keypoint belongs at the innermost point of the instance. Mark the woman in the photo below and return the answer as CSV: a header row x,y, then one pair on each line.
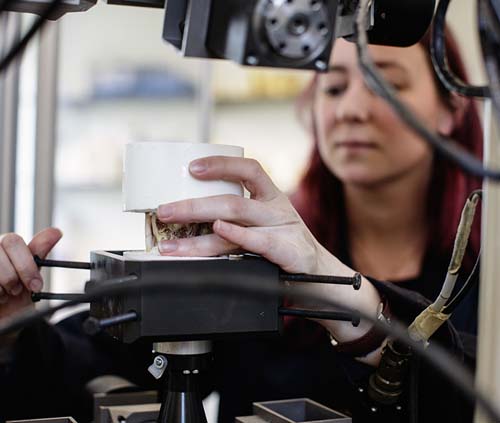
x,y
375,198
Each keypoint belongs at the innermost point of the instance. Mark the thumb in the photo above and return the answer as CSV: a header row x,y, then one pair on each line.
x,y
43,242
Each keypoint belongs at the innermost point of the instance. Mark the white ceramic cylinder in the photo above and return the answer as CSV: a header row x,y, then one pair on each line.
x,y
156,173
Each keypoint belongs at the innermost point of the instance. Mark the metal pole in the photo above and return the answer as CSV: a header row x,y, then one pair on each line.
x,y
488,354
45,148
205,102
10,30
46,127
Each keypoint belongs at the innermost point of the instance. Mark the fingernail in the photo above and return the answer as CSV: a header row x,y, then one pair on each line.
x,y
198,166
222,226
165,211
16,289
36,285
167,246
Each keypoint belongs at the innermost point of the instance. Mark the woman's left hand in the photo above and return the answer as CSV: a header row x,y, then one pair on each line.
x,y
264,224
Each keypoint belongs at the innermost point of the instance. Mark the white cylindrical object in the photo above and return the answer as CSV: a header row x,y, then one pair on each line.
x,y
156,173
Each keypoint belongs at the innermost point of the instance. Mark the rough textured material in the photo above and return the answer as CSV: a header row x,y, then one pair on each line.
x,y
157,231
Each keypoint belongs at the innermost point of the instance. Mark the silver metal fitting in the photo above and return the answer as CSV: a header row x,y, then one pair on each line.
x,y
158,367
184,348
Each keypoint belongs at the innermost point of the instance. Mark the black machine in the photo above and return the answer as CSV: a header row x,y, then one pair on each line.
x,y
183,317
296,34
165,317
287,33
181,325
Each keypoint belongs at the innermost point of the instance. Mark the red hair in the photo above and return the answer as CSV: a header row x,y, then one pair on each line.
x,y
319,196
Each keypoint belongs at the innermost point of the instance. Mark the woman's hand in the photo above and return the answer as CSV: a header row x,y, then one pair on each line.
x,y
19,275
266,224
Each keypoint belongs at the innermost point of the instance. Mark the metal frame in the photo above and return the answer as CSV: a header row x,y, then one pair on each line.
x,y
206,102
488,353
46,127
10,31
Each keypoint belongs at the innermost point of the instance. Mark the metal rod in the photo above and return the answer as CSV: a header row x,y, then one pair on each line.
x,y
10,30
488,350
355,280
205,102
325,315
38,296
61,263
93,325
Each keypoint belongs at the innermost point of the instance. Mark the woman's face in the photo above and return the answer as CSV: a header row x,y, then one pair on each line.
x,y
361,140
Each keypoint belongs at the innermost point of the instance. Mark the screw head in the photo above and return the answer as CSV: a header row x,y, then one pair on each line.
x,y
252,60
159,362
373,409
320,65
361,390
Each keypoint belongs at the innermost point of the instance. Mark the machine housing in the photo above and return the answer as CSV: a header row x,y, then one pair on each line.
x,y
182,316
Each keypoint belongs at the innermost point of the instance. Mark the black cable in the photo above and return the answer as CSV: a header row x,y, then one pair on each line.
x,y
435,355
438,55
62,263
3,5
325,315
374,80
472,281
413,389
489,35
21,45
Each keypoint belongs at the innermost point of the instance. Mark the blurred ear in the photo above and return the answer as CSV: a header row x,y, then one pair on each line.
x,y
452,112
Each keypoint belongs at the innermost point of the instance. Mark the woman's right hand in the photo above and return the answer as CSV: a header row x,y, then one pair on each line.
x,y
19,274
